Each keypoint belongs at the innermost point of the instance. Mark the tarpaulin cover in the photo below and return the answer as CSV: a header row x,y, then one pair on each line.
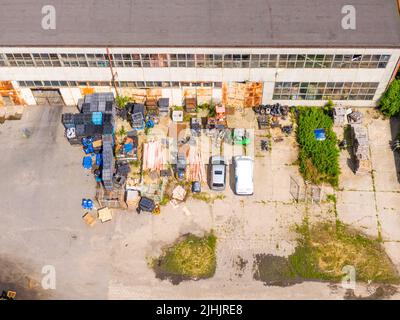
x,y
320,134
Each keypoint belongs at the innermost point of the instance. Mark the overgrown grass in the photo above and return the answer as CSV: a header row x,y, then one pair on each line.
x,y
318,160
191,257
325,248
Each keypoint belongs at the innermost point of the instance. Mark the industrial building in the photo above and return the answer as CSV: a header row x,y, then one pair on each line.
x,y
240,52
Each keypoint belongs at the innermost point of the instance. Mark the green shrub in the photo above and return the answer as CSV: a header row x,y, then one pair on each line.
x,y
319,160
390,101
122,101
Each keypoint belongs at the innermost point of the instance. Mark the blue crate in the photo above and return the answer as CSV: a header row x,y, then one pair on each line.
x,y
97,118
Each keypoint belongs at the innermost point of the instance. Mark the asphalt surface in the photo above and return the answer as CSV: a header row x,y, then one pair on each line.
x,y
42,185
215,23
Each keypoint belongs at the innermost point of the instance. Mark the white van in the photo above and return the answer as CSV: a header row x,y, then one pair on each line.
x,y
243,167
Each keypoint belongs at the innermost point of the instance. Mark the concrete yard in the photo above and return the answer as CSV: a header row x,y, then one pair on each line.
x,y
43,182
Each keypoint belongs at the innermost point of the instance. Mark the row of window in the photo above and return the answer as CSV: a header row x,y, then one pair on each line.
x,y
131,84
325,90
340,61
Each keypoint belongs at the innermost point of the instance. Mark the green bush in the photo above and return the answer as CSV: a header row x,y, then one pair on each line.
x,y
122,101
390,101
319,160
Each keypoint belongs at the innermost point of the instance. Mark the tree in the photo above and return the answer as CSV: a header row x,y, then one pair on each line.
x,y
390,101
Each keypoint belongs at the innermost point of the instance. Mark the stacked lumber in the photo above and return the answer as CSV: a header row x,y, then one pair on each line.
x,y
153,156
196,169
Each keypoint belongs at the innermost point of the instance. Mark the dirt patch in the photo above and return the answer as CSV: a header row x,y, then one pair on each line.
x,y
16,276
273,270
240,264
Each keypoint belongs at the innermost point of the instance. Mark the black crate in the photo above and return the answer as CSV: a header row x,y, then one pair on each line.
x,y
86,107
90,129
79,118
80,130
87,118
67,118
98,129
109,106
107,129
107,118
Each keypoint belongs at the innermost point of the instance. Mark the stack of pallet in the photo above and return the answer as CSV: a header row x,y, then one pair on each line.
x,y
253,94
359,137
233,94
242,95
8,92
137,95
108,162
203,95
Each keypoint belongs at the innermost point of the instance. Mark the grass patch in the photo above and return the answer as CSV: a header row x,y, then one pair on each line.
x,y
325,248
206,197
318,160
190,258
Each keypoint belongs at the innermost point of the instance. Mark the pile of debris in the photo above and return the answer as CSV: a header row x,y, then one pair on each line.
x,y
269,115
339,116
359,136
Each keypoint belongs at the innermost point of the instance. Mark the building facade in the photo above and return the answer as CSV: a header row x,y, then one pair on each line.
x,y
214,50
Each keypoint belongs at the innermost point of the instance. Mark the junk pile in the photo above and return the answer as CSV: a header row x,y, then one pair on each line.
x,y
219,121
359,136
93,128
276,110
163,106
268,115
190,105
195,126
129,148
355,117
141,115
339,116
136,112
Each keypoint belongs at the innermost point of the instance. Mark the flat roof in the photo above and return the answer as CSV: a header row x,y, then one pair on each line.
x,y
200,23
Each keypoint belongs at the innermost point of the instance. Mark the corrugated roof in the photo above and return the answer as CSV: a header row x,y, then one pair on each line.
x,y
201,23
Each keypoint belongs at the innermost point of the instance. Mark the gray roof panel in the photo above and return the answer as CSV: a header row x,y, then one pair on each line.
x,y
200,23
